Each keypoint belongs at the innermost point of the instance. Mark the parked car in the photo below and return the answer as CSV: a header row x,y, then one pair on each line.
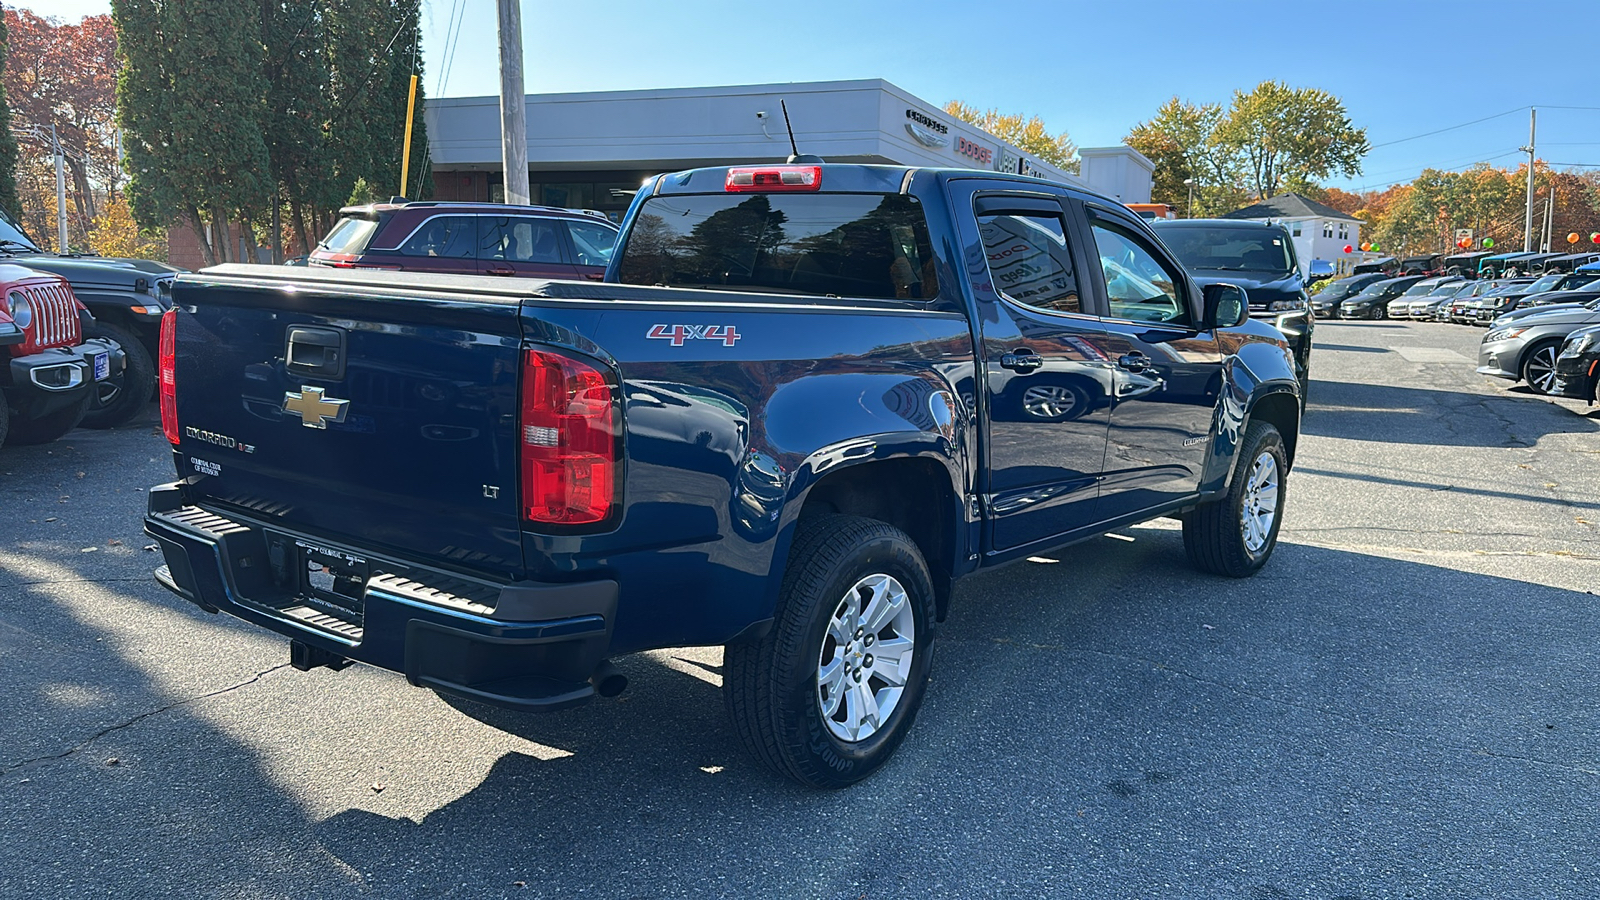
x,y
1559,301
1464,264
126,298
1257,257
1467,312
466,484
51,370
1534,293
1464,292
1426,264
1525,349
1373,303
1325,303
469,238
1386,265
1423,297
1578,365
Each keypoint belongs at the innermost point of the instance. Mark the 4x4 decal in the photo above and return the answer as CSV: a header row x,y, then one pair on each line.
x,y
677,334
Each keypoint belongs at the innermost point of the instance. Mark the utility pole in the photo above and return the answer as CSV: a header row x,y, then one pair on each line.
x,y
61,192
1527,231
513,104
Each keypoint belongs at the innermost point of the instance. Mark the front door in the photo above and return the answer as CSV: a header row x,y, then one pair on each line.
x,y
1168,371
1048,385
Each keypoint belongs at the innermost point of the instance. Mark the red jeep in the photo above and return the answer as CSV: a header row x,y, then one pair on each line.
x,y
50,370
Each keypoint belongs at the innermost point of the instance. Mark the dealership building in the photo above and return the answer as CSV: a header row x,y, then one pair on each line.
x,y
592,150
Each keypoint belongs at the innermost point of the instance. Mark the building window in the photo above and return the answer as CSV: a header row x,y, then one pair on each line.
x,y
1295,229
1344,231
1327,229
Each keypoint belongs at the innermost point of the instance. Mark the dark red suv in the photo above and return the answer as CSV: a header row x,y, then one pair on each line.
x,y
470,238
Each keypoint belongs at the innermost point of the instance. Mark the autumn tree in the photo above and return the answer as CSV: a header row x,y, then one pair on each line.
x,y
1029,134
1282,135
1181,140
63,76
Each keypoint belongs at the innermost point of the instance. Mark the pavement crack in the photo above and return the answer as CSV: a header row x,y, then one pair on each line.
x,y
84,744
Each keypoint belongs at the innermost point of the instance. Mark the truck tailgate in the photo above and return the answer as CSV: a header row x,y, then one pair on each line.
x,y
345,412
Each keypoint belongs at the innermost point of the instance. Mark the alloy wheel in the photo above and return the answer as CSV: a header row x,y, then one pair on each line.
x,y
1049,402
1540,370
865,659
1260,507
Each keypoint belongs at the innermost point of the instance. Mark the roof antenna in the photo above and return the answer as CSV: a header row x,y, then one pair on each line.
x,y
795,156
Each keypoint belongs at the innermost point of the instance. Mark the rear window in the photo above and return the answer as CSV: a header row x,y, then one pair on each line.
x,y
350,235
1228,248
847,245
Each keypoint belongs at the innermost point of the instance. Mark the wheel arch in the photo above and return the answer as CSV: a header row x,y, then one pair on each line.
x,y
918,493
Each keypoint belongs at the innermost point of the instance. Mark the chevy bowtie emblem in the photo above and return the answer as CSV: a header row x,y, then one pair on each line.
x,y
314,410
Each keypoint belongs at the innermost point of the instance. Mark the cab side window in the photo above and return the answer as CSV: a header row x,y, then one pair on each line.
x,y
592,242
518,239
1140,286
446,236
1028,260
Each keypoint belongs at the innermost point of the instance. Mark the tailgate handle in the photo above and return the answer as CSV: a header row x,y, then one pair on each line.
x,y
314,351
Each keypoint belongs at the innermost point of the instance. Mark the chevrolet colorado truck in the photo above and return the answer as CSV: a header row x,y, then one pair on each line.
x,y
804,401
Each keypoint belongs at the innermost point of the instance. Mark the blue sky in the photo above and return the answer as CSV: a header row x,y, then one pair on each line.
x,y
1403,68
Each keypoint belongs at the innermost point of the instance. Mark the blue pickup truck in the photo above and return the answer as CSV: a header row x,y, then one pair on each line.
x,y
805,400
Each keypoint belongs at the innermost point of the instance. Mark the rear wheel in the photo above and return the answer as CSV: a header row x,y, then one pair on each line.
x,y
47,428
124,395
1539,367
828,695
1379,312
1236,534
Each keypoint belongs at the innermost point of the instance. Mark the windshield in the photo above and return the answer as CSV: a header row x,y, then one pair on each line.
x,y
11,231
1418,289
1445,290
1547,283
1230,248
847,245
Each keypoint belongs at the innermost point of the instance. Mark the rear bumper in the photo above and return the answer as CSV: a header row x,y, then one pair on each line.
x,y
522,646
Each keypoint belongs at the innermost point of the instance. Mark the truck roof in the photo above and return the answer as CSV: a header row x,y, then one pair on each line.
x,y
850,178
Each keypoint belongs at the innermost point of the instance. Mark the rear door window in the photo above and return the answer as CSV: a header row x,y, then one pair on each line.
x,y
1029,262
447,237
519,239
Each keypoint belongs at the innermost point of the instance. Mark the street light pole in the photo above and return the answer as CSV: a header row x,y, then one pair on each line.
x,y
1527,232
1188,211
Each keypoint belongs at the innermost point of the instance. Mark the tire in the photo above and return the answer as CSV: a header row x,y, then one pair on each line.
x,y
1379,313
120,398
1215,536
1539,366
48,428
775,689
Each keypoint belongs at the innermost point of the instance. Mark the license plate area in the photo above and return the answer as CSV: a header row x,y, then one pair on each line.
x,y
102,366
331,577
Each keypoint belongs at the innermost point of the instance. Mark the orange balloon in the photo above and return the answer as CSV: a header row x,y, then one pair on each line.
x,y
1572,238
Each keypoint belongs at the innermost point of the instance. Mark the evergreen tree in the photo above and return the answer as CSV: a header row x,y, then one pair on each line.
x,y
8,143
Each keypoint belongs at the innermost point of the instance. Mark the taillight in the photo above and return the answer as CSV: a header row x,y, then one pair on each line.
x,y
168,375
568,441
774,178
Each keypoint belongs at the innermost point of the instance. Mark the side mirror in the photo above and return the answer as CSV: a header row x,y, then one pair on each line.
x,y
1226,305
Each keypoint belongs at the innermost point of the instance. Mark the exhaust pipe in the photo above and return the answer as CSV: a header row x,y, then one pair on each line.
x,y
608,680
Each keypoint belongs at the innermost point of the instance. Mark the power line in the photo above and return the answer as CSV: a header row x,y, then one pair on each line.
x,y
1451,128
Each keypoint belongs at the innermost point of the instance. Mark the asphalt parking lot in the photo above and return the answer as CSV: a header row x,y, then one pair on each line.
x,y
1403,704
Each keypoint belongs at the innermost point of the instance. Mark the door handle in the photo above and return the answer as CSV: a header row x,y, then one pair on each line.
x,y
501,270
1021,360
595,276
1133,362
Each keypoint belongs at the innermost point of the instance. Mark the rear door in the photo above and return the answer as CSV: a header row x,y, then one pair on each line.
x,y
1048,382
1167,369
438,244
525,246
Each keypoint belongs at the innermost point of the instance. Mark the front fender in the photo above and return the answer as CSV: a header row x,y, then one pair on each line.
x,y
1255,369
